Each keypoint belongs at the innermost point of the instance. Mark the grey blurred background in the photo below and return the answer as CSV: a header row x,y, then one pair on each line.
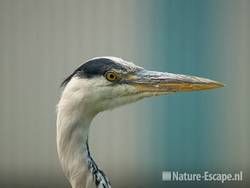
x,y
42,41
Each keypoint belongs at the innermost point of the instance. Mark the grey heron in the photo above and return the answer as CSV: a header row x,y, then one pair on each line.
x,y
100,84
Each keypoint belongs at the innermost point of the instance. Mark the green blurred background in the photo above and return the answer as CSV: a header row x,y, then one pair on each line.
x,y
42,41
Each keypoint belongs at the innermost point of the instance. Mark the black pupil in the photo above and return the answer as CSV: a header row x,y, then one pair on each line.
x,y
111,76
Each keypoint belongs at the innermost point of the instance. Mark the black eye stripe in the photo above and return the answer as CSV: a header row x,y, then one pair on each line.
x,y
100,66
95,67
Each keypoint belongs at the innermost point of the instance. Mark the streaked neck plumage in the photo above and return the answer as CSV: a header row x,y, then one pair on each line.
x,y
73,122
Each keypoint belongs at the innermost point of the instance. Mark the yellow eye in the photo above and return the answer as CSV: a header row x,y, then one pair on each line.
x,y
111,76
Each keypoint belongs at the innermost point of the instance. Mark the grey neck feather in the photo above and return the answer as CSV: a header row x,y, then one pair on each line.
x,y
100,179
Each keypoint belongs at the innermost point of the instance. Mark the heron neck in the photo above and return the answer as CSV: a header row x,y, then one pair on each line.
x,y
72,146
73,123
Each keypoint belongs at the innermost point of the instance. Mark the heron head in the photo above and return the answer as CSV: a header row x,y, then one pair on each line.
x,y
107,82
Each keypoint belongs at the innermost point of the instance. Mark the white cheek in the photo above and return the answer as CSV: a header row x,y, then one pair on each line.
x,y
121,95
97,94
83,90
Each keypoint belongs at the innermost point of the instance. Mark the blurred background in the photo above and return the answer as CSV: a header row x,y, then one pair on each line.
x,y
43,41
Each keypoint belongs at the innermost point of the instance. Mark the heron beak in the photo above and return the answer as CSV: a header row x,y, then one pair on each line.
x,y
159,82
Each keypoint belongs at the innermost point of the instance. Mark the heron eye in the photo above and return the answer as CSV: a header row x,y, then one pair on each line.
x,y
111,76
